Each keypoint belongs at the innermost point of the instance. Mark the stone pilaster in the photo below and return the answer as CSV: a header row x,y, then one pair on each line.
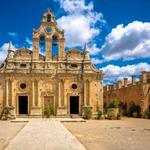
x,y
85,91
48,49
7,92
35,49
59,94
33,94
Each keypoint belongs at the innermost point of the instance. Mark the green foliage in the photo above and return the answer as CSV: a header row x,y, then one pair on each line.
x,y
113,104
99,114
119,116
48,110
87,112
145,115
123,108
134,110
6,113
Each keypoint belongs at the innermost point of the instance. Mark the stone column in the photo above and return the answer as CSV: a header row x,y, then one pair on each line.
x,y
7,93
33,94
88,102
38,95
48,49
62,93
12,93
85,93
59,94
35,48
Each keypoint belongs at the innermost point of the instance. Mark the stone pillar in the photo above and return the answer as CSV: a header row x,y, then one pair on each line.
x,y
62,93
33,94
59,94
12,94
7,93
38,95
85,94
35,49
88,93
48,49
133,79
61,49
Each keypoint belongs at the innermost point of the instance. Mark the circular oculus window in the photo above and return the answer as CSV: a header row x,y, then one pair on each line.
x,y
74,86
23,85
48,30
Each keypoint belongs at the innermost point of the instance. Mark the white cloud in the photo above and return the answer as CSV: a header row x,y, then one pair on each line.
x,y
113,73
3,52
94,50
29,43
95,60
80,22
127,42
13,34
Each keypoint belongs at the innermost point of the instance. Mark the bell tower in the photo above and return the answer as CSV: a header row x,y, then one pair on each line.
x,y
47,37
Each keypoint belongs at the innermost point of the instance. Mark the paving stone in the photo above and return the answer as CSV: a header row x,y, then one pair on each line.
x,y
44,134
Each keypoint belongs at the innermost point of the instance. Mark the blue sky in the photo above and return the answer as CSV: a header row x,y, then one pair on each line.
x,y
117,32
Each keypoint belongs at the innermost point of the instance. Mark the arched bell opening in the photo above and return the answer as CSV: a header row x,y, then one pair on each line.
x,y
48,18
54,45
42,44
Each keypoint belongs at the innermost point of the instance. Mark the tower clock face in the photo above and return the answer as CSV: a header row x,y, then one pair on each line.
x,y
48,30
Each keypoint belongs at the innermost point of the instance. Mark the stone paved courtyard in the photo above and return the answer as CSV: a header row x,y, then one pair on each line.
x,y
8,130
126,134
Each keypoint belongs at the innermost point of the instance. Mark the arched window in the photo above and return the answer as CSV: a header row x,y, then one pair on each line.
x,y
48,18
54,45
42,44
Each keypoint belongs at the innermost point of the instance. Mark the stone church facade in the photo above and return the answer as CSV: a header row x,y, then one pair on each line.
x,y
29,79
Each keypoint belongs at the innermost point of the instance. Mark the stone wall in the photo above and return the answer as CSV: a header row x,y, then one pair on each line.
x,y
130,91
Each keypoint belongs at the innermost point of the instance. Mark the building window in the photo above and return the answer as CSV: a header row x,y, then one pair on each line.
x,y
54,45
23,65
42,44
23,85
74,86
48,30
49,18
74,65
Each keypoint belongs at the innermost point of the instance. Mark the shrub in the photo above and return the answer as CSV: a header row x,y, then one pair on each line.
x,y
6,113
87,112
145,114
48,110
119,116
113,104
99,114
123,108
134,110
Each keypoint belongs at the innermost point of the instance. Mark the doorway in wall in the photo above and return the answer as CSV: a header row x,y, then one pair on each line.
x,y
23,104
74,104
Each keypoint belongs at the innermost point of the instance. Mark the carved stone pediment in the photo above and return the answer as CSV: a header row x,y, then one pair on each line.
x,y
23,53
74,54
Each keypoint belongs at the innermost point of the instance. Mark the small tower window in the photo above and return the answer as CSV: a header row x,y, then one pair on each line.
x,y
42,44
48,18
23,65
55,45
48,30
74,65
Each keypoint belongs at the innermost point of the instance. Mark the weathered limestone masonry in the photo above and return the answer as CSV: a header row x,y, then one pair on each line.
x,y
30,79
133,91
